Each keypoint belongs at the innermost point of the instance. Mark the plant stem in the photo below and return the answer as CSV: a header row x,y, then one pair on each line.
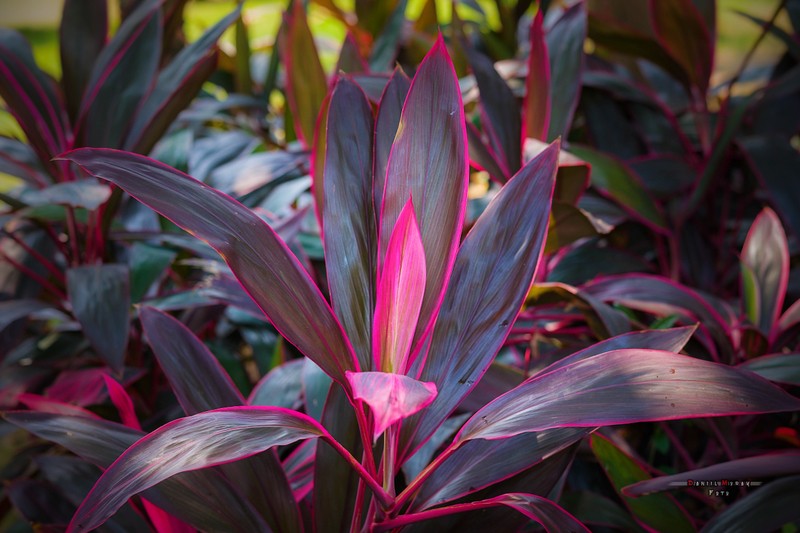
x,y
411,518
386,500
44,282
412,487
59,275
764,31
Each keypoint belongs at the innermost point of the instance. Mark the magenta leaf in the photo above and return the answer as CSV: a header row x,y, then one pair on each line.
x,y
100,298
348,215
390,397
195,375
206,439
204,499
428,163
122,401
399,295
122,75
625,386
261,261
391,106
766,254
781,463
490,279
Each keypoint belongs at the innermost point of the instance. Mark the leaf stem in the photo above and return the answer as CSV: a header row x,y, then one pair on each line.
x,y
411,518
386,500
44,282
58,274
414,486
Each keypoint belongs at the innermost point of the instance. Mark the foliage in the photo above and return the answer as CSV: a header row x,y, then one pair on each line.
x,y
529,245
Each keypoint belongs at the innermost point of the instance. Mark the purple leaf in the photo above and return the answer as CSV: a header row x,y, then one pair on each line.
x,y
13,310
399,294
206,439
473,466
122,74
391,397
537,83
490,279
542,511
500,112
766,254
662,297
565,46
306,85
88,194
31,98
177,84
602,318
205,499
681,30
391,106
281,387
263,264
759,467
348,215
625,386
428,163
100,298
482,156
195,375
201,384
82,35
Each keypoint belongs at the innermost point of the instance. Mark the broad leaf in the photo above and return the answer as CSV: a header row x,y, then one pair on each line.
x,y
625,386
781,463
306,85
767,509
565,47
191,443
681,30
348,215
262,262
780,367
13,310
491,276
766,254
390,397
88,194
121,76
537,83
399,295
100,298
204,499
428,163
82,35
657,512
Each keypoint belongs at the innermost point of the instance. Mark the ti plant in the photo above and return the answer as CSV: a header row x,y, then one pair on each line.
x,y
416,316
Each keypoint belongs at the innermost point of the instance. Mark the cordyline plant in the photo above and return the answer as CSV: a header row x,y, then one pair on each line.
x,y
416,317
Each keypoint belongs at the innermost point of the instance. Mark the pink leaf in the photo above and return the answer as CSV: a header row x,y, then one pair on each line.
x,y
537,84
399,295
122,401
391,397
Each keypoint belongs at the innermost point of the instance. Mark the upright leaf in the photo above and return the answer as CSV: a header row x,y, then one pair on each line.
x,y
391,106
428,163
348,215
504,124
262,262
100,298
122,75
199,441
399,296
490,279
177,84
565,46
766,254
306,85
681,30
622,387
537,83
83,30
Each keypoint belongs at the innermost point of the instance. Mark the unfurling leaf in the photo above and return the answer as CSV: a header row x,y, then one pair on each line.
x,y
391,397
400,291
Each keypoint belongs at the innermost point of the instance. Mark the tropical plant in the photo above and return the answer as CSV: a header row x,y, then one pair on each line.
x,y
417,315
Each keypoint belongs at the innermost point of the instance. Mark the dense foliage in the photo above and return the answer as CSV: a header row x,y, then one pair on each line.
x,y
481,275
